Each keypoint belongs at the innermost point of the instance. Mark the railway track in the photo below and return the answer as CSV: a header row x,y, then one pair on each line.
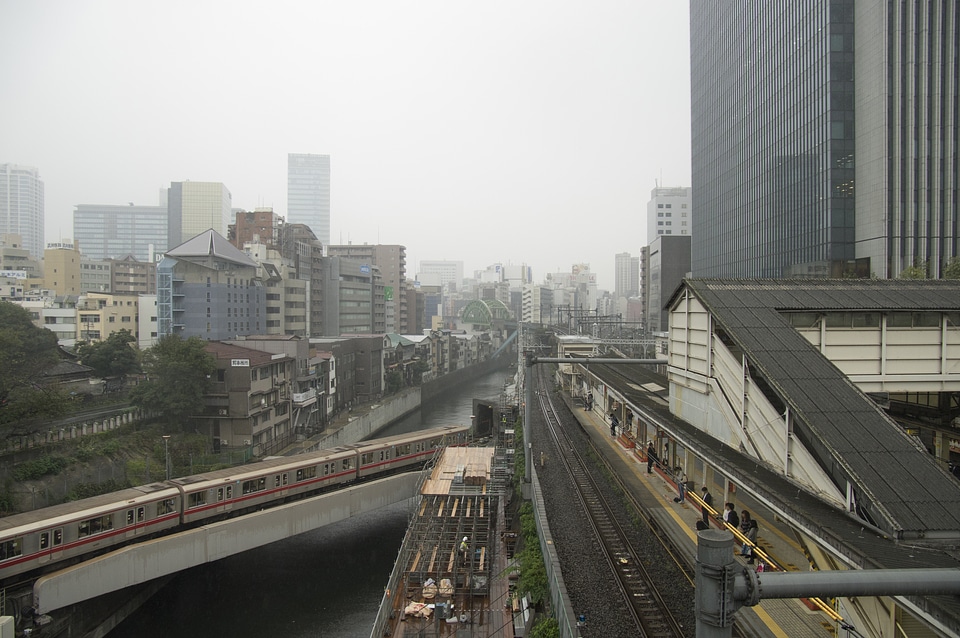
x,y
650,612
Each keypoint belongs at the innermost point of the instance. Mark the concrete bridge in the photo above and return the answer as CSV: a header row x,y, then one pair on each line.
x,y
137,564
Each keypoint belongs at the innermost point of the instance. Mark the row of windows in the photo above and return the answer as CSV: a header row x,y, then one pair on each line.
x,y
873,319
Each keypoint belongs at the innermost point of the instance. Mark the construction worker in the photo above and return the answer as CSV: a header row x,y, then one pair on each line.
x,y
464,549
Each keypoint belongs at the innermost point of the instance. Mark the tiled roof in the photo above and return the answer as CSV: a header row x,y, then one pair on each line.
x,y
896,480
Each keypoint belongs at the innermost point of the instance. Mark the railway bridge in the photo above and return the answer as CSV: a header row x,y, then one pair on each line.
x,y
156,558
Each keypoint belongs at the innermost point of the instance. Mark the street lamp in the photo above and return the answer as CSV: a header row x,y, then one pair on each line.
x,y
166,454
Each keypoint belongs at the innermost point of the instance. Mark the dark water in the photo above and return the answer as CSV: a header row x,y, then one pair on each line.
x,y
325,583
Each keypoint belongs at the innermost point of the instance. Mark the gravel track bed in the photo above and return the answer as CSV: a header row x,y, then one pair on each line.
x,y
592,588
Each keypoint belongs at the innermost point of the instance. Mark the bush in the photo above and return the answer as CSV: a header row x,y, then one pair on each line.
x,y
86,490
44,466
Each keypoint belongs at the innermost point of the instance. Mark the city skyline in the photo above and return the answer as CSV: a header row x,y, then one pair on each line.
x,y
521,134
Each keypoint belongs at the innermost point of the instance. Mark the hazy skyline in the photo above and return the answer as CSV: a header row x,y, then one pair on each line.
x,y
497,132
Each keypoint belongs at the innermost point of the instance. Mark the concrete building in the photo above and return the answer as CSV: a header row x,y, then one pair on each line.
x,y
61,268
20,272
196,207
351,298
57,314
669,263
99,315
95,274
208,288
448,274
108,232
261,226
130,275
824,138
669,212
249,404
626,271
21,206
308,192
391,261
147,321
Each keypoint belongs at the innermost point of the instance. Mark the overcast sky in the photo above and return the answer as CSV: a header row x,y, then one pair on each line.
x,y
515,132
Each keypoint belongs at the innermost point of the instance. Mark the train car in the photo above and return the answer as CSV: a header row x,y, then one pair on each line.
x,y
403,451
235,490
35,539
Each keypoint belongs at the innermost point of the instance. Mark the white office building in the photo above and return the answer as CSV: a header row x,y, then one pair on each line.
x,y
308,193
21,206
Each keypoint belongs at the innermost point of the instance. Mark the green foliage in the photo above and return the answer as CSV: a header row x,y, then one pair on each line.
x,y
951,269
545,627
394,381
917,271
95,447
178,373
86,490
38,468
533,574
114,357
26,351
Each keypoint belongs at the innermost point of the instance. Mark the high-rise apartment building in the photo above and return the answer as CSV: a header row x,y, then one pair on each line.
x,y
196,207
308,193
626,275
21,206
111,232
824,137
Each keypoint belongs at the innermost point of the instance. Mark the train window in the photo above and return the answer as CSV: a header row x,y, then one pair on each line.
x,y
166,506
366,458
129,517
229,492
403,450
381,455
326,469
141,514
58,536
196,499
347,464
307,473
255,485
11,548
219,494
285,479
96,525
44,540
276,480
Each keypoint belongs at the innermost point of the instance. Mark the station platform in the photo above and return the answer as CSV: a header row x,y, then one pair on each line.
x,y
780,618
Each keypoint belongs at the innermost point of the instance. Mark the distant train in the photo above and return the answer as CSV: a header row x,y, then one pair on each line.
x,y
43,538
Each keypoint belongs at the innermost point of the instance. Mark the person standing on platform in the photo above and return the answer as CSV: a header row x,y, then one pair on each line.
x,y
681,479
730,516
614,422
708,502
750,529
651,457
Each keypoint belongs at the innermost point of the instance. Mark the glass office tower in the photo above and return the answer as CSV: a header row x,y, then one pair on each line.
x,y
308,193
824,137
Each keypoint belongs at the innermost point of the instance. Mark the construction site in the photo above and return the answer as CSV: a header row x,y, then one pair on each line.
x,y
453,576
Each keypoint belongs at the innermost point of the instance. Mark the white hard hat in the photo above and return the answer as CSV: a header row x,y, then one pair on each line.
x,y
464,538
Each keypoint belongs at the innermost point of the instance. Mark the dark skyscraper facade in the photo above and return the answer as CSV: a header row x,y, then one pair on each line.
x,y
824,137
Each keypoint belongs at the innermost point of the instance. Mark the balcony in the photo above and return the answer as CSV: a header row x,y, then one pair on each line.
x,y
303,399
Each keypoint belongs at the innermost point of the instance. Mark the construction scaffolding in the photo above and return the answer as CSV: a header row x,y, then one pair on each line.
x,y
452,575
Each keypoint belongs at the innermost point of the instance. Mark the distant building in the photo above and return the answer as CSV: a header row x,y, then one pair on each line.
x,y
129,275
669,212
626,275
110,232
96,275
99,315
20,272
391,260
308,192
448,274
196,207
261,226
21,206
208,288
669,264
61,268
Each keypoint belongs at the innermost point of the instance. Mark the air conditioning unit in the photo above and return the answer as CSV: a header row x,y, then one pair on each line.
x,y
222,412
246,441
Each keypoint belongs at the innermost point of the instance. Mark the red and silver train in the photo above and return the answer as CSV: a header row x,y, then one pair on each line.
x,y
45,537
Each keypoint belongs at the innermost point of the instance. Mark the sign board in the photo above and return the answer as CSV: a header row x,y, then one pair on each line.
x,y
239,363
388,293
365,269
13,274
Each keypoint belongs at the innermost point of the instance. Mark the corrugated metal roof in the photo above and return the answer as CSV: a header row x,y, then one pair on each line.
x,y
903,486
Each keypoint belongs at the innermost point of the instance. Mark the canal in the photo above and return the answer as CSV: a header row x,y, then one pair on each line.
x,y
323,584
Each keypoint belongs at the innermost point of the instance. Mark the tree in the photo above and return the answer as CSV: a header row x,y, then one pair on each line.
x,y
111,358
951,269
178,372
916,271
25,352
